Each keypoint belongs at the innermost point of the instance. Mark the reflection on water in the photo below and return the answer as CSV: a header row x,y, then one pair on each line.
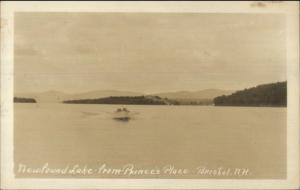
x,y
154,136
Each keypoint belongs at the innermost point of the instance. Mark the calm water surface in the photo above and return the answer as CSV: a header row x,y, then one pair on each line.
x,y
182,136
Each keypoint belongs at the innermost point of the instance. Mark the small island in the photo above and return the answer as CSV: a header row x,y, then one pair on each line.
x,y
24,100
273,95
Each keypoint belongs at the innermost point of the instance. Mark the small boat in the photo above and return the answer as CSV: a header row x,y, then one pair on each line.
x,y
122,114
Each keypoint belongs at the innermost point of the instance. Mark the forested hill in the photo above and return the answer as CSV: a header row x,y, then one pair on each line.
x,y
274,94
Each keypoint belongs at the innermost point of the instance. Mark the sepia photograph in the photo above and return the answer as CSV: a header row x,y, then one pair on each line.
x,y
150,95
199,94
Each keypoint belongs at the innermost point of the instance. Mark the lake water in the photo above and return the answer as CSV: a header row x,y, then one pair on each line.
x,y
158,137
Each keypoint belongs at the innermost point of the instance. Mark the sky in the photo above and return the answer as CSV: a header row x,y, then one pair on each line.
x,y
147,52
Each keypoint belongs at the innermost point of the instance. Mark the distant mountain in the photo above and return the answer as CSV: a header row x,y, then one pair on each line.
x,y
273,94
195,95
